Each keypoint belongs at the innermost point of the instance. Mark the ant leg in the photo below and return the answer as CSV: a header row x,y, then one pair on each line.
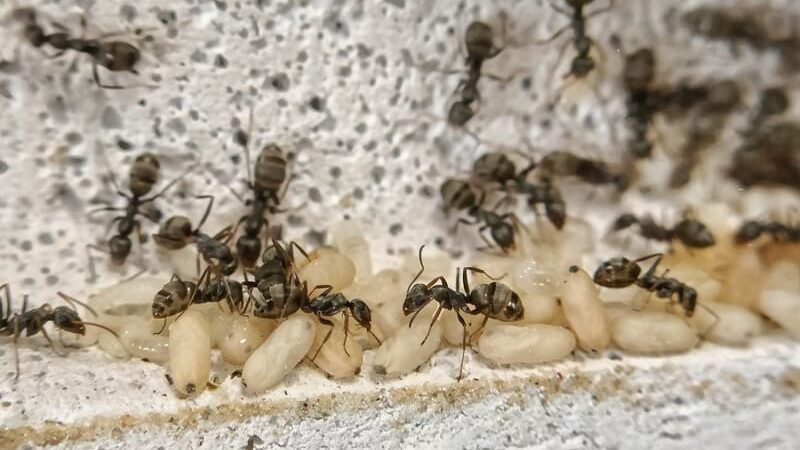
x,y
4,317
346,332
208,209
465,222
72,301
652,268
326,289
483,324
433,321
325,339
463,345
489,245
481,271
100,84
16,344
104,208
92,271
294,244
714,324
438,279
52,344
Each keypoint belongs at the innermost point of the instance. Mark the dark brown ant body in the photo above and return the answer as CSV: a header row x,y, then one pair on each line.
x,y
177,232
177,295
639,73
621,272
463,196
116,56
270,175
32,321
690,232
492,300
751,230
143,175
588,170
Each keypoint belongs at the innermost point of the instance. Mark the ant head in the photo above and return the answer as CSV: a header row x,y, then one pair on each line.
x,y
694,233
748,232
581,66
458,194
143,174
575,4
119,247
67,319
494,166
361,313
175,233
417,297
617,273
170,299
459,114
503,235
118,56
479,40
248,249
624,221
556,213
639,69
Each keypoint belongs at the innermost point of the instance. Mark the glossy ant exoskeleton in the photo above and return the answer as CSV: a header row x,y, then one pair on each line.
x,y
751,230
492,300
592,171
639,73
690,232
270,176
501,226
143,175
177,295
177,232
32,321
116,56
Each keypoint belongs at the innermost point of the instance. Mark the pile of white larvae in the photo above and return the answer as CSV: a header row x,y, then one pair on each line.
x,y
743,286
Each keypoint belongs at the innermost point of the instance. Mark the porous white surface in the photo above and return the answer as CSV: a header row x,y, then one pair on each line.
x,y
373,152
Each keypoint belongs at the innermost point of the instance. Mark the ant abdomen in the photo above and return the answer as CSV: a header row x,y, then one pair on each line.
x,y
270,169
119,247
117,56
143,174
175,233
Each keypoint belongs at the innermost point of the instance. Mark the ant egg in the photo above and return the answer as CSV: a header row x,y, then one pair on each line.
x,y
326,266
140,342
404,351
244,335
783,275
190,353
584,310
529,344
453,332
112,346
348,238
332,358
279,354
783,307
650,332
735,325
744,281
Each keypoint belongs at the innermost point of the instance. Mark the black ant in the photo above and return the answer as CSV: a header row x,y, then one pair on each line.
x,y
690,232
177,295
751,230
501,226
116,56
33,321
493,300
641,103
270,175
588,170
143,175
177,232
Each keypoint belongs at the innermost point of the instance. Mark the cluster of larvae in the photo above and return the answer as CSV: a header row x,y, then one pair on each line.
x,y
737,292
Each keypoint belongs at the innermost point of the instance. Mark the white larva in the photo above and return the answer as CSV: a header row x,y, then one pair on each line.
x,y
784,308
735,324
649,332
348,238
190,353
137,291
584,310
453,332
332,358
138,339
404,351
326,266
744,281
219,319
528,344
279,354
783,275
539,307
244,336
112,346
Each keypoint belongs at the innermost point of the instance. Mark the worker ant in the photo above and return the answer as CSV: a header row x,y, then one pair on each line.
x,y
116,56
177,295
690,232
492,300
501,226
177,232
751,230
32,321
143,175
270,175
593,171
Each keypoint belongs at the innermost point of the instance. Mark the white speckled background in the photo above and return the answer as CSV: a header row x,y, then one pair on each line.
x,y
332,82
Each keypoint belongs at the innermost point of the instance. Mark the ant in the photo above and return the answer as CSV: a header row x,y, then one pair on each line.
x,y
641,103
116,56
270,174
143,175
592,171
690,232
493,300
621,272
501,230
177,295
751,230
177,233
32,321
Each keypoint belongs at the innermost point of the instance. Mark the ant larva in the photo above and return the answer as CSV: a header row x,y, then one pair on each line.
x,y
116,56
177,232
690,232
621,272
32,321
143,175
270,176
751,230
492,300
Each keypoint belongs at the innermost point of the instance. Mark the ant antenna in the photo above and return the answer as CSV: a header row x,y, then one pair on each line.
x,y
422,269
72,301
102,327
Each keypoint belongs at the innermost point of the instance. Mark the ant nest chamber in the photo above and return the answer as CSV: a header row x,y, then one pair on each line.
x,y
399,224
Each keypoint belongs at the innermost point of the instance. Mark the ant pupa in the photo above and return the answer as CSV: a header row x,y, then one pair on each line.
x,y
32,321
689,231
143,176
492,300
